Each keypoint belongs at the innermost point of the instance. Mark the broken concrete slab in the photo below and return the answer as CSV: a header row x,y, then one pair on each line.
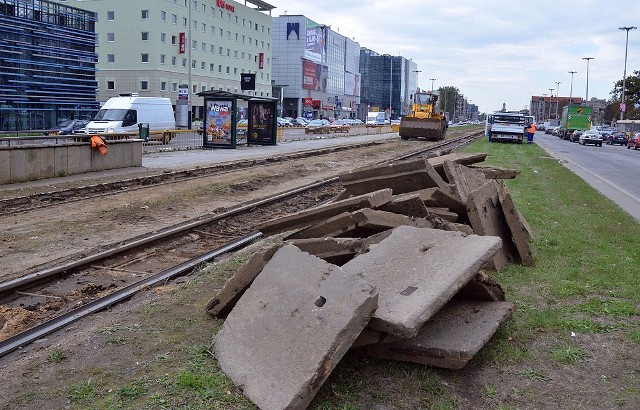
x,y
410,204
443,213
487,218
464,179
359,224
494,172
401,177
226,298
417,271
291,328
456,157
336,251
314,215
517,226
450,339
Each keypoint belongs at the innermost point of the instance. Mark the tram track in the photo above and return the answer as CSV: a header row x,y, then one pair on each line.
x,y
90,281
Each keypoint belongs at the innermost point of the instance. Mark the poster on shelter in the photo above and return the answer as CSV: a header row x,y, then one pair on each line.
x,y
262,128
315,48
218,125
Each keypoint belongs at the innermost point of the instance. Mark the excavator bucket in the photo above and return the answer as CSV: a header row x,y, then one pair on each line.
x,y
432,129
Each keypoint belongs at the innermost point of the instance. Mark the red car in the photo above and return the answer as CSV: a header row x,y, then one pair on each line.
x,y
634,141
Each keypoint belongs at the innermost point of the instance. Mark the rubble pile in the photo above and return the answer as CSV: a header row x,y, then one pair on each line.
x,y
394,268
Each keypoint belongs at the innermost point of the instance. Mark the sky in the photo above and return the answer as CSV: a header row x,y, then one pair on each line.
x,y
493,51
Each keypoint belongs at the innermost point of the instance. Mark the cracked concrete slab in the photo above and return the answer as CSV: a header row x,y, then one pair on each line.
x,y
291,328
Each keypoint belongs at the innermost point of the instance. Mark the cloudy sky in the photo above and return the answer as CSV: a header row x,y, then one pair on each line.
x,y
493,51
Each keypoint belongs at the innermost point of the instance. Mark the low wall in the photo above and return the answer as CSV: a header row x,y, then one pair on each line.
x,y
32,162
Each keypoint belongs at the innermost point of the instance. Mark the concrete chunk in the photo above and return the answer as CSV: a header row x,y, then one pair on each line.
x,y
291,328
417,271
227,297
410,204
313,215
517,225
487,218
456,157
401,177
450,339
333,250
495,172
464,179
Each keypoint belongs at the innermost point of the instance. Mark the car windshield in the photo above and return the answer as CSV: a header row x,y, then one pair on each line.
x,y
114,114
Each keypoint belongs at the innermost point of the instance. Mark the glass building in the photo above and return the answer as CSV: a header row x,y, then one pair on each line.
x,y
47,64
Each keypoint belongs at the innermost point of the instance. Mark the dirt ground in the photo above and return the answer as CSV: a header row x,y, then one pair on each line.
x,y
151,337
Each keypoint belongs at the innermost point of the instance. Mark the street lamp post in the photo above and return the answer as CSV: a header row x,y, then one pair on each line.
x,y
432,80
624,78
571,88
551,90
390,85
586,98
557,96
417,73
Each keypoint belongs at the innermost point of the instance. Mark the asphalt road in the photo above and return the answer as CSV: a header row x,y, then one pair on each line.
x,y
613,170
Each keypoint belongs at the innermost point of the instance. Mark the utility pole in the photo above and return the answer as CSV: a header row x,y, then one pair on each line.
x,y
623,106
551,90
586,98
432,80
571,89
557,96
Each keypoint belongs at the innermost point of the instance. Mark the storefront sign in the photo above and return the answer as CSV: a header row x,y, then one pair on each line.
x,y
182,43
225,5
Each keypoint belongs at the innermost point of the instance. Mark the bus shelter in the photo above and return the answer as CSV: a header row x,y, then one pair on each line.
x,y
220,126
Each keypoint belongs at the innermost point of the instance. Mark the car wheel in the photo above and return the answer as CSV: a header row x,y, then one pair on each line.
x,y
600,144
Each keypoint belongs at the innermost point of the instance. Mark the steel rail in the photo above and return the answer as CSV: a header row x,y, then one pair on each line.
x,y
36,332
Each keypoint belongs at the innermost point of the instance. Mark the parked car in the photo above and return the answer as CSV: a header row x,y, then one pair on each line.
x,y
554,131
618,137
357,121
69,127
317,127
575,135
299,122
340,126
590,137
634,141
283,122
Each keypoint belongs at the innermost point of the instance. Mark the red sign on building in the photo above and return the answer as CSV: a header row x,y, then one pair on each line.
x,y
308,101
182,43
261,61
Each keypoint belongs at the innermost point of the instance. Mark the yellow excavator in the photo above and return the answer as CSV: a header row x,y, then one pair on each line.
x,y
424,120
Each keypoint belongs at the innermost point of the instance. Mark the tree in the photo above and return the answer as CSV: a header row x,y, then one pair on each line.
x,y
631,96
448,98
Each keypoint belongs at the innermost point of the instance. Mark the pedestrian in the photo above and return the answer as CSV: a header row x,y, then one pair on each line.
x,y
530,131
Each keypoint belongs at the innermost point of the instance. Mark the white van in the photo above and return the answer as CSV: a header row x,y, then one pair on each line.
x,y
124,113
375,118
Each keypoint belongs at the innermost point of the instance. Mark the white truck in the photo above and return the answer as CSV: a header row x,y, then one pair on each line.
x,y
123,114
375,118
506,126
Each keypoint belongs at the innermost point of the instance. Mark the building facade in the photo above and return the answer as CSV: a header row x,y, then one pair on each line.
x,y
316,67
388,83
48,64
177,48
546,108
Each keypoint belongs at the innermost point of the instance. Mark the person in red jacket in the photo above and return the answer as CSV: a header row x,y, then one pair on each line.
x,y
530,131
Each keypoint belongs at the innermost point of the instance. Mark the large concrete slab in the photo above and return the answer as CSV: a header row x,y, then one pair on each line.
x,y
417,271
518,226
458,158
291,328
450,339
464,179
337,251
230,293
487,218
401,177
317,214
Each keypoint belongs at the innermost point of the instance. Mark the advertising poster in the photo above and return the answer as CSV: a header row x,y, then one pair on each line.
x,y
262,123
315,48
218,126
309,81
352,84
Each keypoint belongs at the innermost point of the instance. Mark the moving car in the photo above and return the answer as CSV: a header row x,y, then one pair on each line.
x,y
590,137
317,127
69,127
617,137
575,136
340,126
634,141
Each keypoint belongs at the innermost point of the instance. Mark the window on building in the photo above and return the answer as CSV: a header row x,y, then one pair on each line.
x,y
111,58
145,14
213,30
242,55
195,88
220,50
163,37
203,47
194,25
144,85
162,58
221,13
145,36
163,15
228,35
184,22
221,31
193,64
204,8
202,65
174,19
203,88
235,53
256,26
174,61
184,62
111,37
144,58
163,86
228,52
111,85
212,67
174,87
235,70
195,5
194,44
111,15
228,70
220,68
174,39
213,48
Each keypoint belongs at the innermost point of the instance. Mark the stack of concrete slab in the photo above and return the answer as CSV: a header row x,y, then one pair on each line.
x,y
396,268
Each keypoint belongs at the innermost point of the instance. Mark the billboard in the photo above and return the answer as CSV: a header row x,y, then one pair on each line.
x,y
218,123
315,46
262,123
351,84
314,76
